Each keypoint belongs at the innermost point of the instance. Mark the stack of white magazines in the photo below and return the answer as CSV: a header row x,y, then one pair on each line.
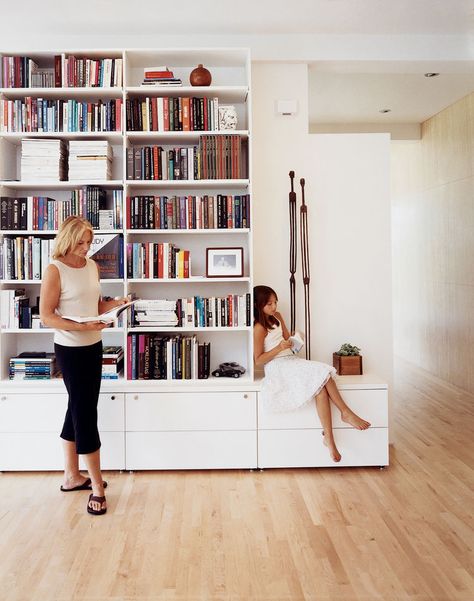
x,y
155,313
43,160
90,160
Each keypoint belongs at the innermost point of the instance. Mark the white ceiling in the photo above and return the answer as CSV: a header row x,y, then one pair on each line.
x,y
345,92
243,16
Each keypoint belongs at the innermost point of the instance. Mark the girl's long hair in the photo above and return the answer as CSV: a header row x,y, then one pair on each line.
x,y
69,234
261,296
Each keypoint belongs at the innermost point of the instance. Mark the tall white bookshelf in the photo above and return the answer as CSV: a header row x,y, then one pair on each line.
x,y
230,69
144,424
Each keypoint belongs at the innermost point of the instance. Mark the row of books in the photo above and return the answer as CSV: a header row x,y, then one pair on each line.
x,y
157,260
156,163
158,357
229,311
172,114
223,211
68,71
24,257
17,71
44,213
33,366
78,72
42,78
220,157
216,157
49,115
15,310
112,362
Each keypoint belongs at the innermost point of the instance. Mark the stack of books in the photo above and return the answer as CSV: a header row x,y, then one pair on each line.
x,y
160,76
90,160
33,366
112,362
43,160
154,313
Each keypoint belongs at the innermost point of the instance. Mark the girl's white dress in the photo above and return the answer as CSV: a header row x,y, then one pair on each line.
x,y
290,381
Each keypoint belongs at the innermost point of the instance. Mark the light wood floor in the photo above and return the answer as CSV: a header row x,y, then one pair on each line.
x,y
347,534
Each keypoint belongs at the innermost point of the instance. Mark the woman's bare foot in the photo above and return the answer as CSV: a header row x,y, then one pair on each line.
x,y
97,500
351,418
74,481
331,445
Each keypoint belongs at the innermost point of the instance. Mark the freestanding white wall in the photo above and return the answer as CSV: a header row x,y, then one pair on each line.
x,y
348,197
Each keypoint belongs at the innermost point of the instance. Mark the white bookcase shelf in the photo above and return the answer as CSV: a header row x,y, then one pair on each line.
x,y
41,185
85,93
193,184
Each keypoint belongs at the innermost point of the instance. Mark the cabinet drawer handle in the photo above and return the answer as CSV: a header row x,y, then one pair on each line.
x,y
113,397
136,397
246,396
3,398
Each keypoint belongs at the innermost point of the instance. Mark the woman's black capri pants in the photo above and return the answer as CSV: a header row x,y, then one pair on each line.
x,y
81,367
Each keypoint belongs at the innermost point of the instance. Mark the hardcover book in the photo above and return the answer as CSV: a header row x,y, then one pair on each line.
x,y
107,251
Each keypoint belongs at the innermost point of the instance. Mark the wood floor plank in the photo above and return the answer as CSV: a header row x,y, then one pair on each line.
x,y
405,533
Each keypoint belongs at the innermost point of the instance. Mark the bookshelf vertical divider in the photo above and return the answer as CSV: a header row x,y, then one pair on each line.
x,y
163,424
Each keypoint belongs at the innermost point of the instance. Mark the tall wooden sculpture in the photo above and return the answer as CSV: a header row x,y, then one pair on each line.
x,y
293,253
305,269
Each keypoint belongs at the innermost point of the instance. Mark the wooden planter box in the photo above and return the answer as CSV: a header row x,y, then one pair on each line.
x,y
347,366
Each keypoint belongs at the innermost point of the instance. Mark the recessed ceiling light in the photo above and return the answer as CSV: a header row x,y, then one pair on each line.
x,y
431,74
385,110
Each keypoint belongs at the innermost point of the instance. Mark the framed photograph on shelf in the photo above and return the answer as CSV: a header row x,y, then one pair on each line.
x,y
225,262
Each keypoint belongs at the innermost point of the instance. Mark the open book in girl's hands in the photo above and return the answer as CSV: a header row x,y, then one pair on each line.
x,y
297,341
107,317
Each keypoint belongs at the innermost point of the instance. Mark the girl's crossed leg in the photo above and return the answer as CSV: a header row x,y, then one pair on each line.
x,y
323,405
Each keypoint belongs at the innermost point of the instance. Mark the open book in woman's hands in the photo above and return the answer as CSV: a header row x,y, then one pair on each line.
x,y
107,317
297,342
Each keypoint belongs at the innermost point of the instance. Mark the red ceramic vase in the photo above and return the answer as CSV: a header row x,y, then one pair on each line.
x,y
200,76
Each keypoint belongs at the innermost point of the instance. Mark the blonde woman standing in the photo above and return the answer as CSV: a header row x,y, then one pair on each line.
x,y
71,286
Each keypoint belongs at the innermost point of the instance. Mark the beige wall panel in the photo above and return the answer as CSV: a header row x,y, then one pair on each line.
x,y
433,245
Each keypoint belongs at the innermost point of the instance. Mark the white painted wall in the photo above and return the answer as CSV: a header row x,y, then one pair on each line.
x,y
347,191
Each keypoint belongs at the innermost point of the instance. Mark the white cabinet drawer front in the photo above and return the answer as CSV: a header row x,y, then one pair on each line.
x,y
32,412
111,412
188,411
305,448
43,451
372,405
45,412
31,451
191,450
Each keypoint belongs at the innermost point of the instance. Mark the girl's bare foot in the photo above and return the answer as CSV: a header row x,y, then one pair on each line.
x,y
331,445
351,418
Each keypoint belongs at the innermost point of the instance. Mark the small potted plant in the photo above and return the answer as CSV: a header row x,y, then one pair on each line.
x,y
348,360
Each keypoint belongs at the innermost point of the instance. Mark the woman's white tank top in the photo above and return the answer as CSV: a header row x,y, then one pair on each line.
x,y
79,297
273,339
